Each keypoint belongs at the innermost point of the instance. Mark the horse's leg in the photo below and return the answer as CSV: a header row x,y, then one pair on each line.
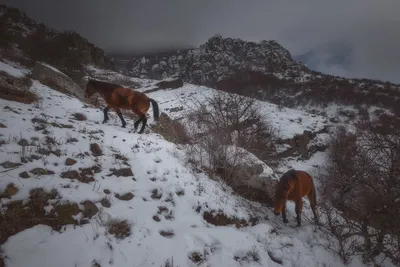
x,y
313,205
142,118
298,209
120,116
105,111
144,123
136,123
285,220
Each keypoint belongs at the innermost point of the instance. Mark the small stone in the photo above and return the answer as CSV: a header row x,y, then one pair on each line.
x,y
105,203
95,149
156,218
125,197
70,162
90,209
2,125
11,190
24,175
107,191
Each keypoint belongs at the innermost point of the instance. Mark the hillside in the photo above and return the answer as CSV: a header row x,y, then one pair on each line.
x,y
75,192
266,70
25,40
120,198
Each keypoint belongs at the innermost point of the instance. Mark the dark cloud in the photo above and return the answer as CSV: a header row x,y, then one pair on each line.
x,y
371,28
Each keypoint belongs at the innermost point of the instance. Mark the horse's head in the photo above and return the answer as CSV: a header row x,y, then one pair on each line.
x,y
90,90
283,188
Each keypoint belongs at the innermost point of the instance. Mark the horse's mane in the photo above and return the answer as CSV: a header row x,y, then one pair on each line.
x,y
290,174
103,84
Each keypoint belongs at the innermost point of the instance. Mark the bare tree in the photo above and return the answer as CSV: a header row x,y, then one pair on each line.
x,y
362,180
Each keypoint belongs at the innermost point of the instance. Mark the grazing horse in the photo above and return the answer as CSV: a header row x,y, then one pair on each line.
x,y
294,185
118,97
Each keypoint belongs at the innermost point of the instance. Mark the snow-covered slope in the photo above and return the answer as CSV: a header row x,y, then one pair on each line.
x,y
163,201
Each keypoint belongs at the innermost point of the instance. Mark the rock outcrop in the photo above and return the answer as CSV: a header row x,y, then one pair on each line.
x,y
24,40
57,80
266,71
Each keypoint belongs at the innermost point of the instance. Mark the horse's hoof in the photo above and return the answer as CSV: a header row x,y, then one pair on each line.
x,y
298,225
123,126
285,221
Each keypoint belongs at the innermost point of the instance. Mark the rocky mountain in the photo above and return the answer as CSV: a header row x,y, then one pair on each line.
x,y
24,40
267,71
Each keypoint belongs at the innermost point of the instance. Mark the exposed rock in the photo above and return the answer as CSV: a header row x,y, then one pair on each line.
x,y
2,125
11,190
126,196
95,149
170,83
90,209
70,162
55,79
105,202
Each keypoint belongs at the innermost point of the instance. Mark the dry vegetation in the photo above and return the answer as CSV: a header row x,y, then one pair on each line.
x,y
224,128
361,191
16,89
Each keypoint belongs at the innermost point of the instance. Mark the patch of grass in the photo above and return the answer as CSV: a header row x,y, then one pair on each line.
x,y
79,116
121,229
16,89
220,219
20,215
248,257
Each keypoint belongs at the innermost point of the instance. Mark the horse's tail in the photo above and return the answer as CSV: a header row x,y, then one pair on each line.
x,y
156,110
314,194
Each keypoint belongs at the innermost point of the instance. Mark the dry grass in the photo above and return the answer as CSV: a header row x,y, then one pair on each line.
x,y
16,89
121,229
79,116
172,130
20,216
220,219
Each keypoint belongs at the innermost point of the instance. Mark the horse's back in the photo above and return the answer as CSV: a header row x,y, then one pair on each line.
x,y
305,182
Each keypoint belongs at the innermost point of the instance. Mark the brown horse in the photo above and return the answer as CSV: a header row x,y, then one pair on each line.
x,y
118,97
294,185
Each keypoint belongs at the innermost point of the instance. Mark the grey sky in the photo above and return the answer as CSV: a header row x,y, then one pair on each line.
x,y
370,27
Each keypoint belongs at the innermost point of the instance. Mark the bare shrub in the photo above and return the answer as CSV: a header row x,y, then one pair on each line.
x,y
362,180
224,128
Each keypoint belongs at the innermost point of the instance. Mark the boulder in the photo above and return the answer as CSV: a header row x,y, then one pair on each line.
x,y
57,80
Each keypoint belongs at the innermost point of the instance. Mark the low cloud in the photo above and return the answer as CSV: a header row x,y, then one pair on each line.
x,y
371,28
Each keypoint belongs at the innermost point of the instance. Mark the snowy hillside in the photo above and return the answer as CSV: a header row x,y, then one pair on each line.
x,y
76,192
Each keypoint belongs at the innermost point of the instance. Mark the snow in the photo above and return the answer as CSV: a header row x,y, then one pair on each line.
x,y
53,68
11,70
156,164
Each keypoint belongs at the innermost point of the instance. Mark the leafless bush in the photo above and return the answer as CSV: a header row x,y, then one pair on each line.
x,y
362,180
224,127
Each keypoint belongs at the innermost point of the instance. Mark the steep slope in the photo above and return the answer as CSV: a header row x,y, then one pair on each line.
x,y
266,70
137,202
